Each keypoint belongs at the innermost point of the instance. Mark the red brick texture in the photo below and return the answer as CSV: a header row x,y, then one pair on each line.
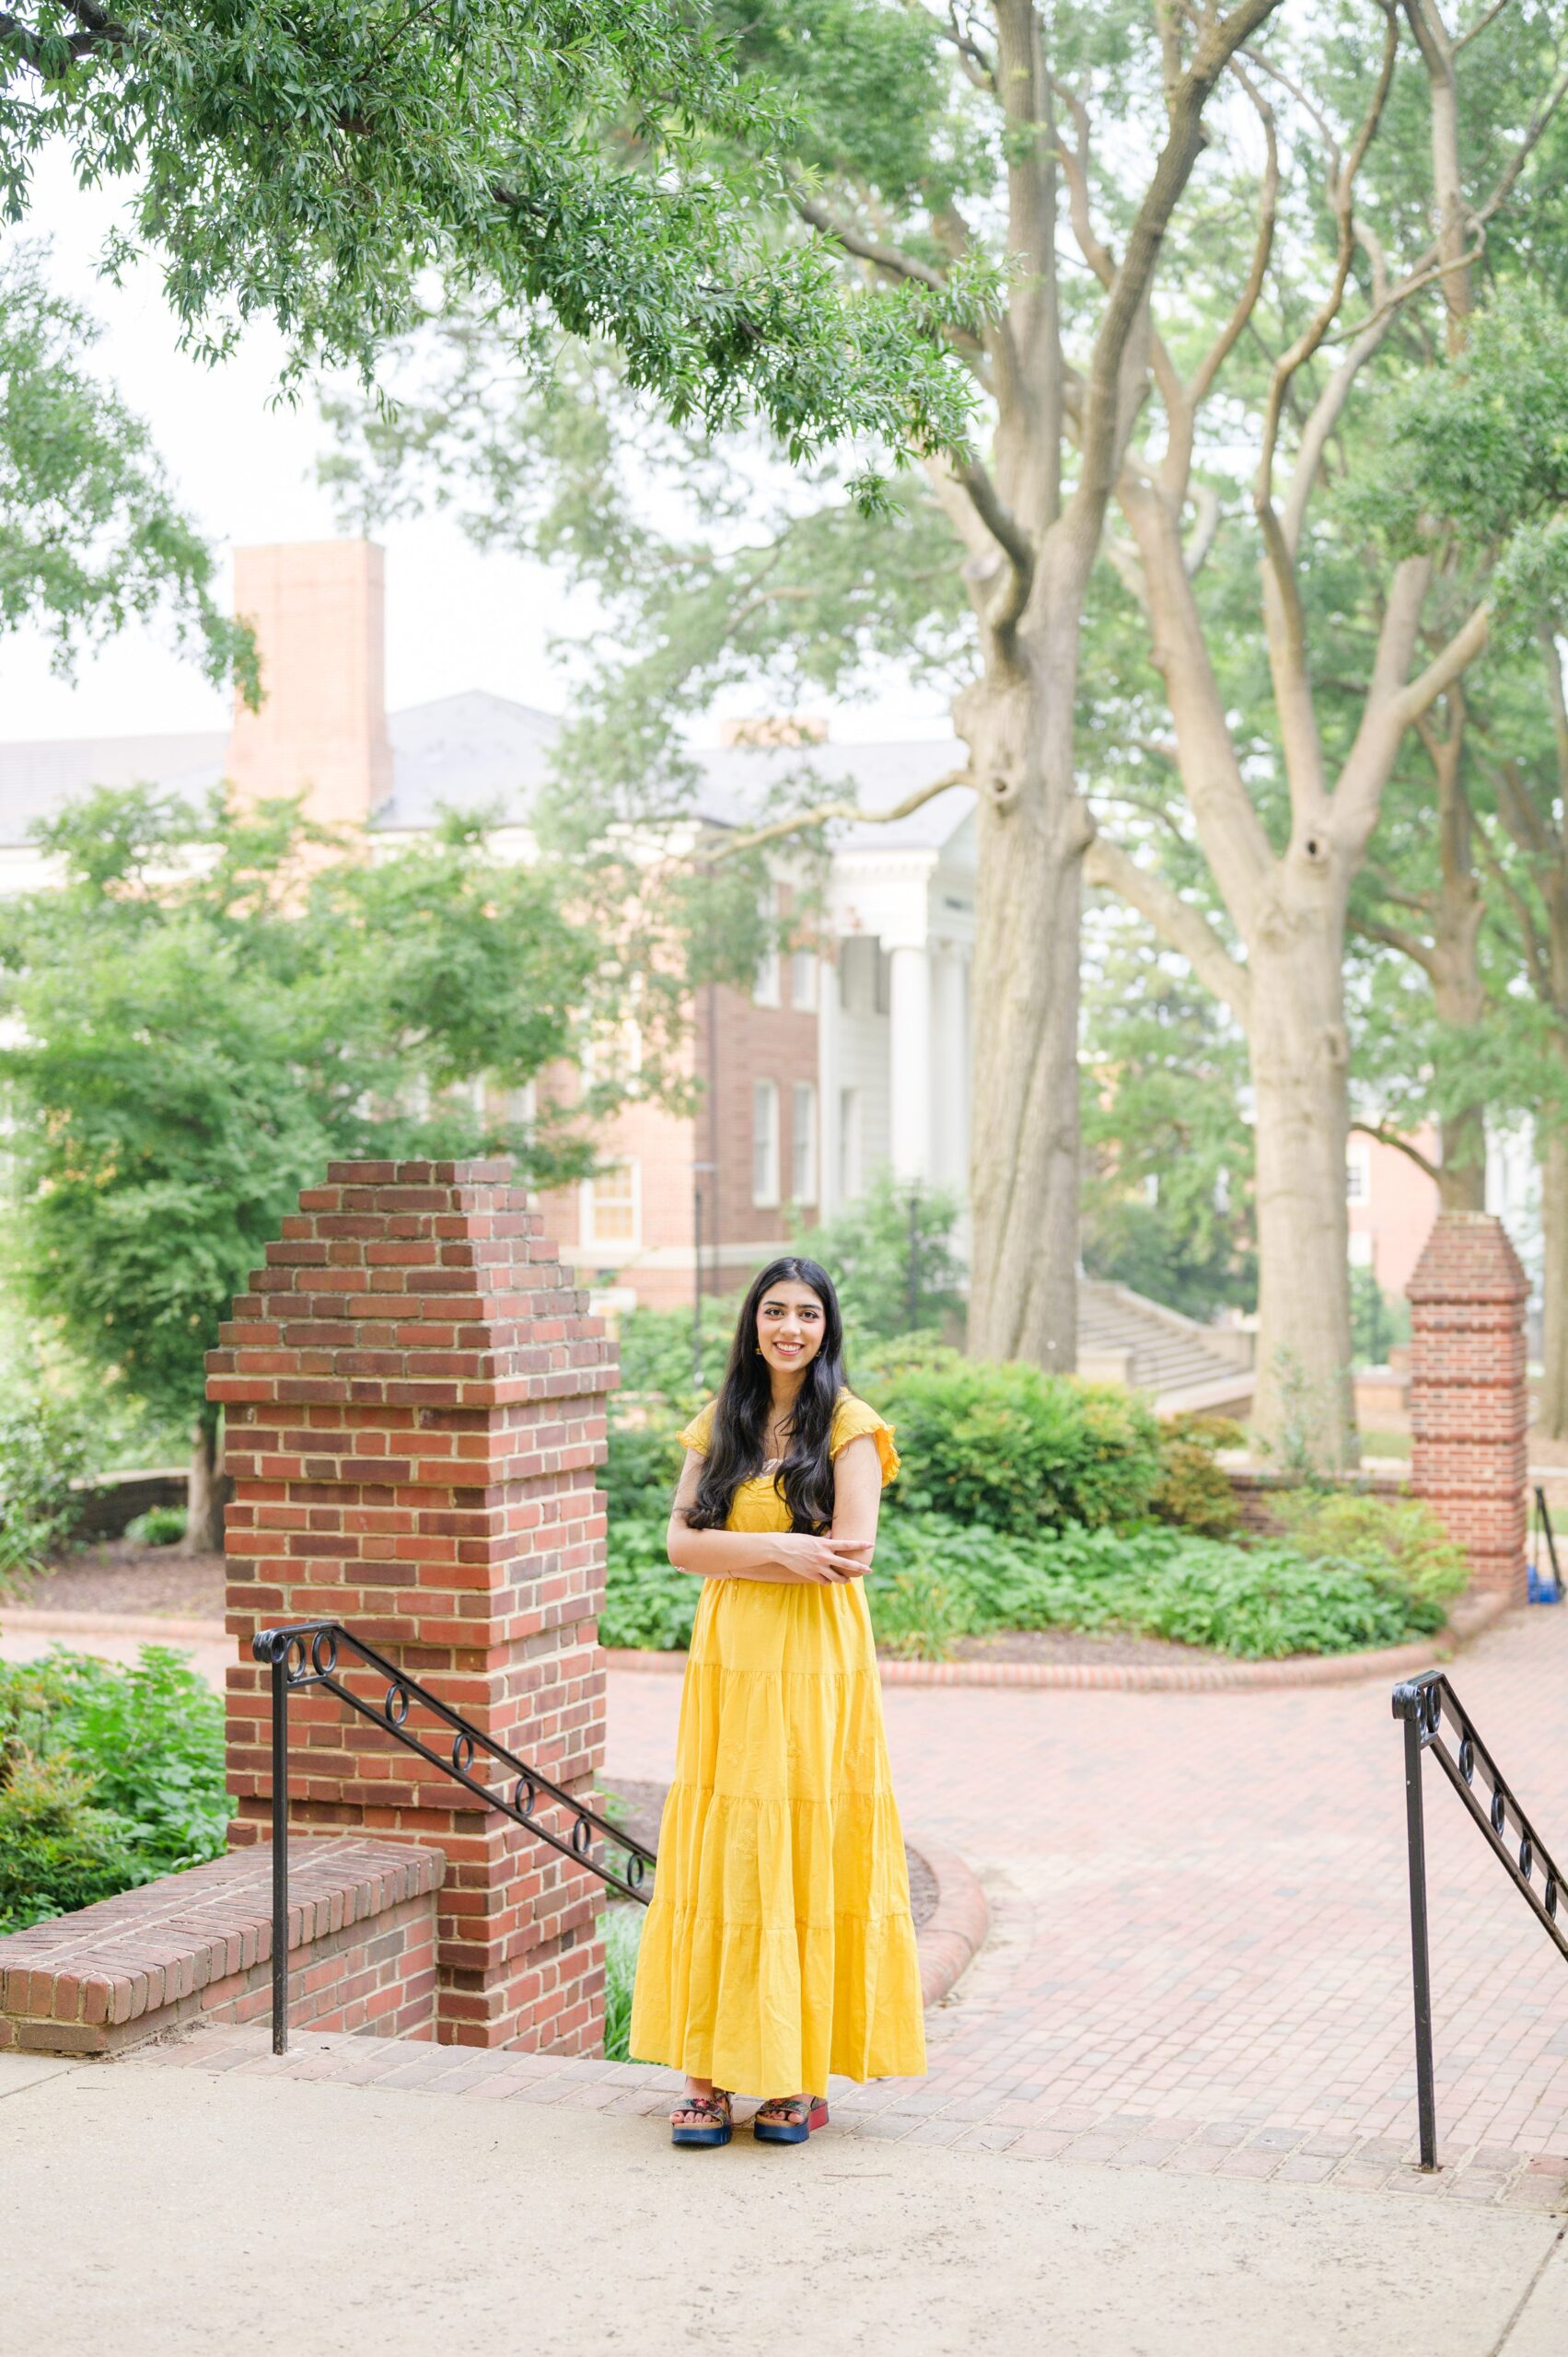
x,y
1469,1402
415,1404
198,1946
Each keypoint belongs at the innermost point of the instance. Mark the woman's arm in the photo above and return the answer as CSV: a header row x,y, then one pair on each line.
x,y
792,1556
857,1497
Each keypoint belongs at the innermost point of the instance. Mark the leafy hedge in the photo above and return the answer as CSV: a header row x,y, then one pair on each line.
x,y
107,1777
936,1580
1018,1450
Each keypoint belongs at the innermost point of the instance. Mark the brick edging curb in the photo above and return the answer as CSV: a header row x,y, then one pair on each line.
x,y
1151,1678
956,1932
150,1625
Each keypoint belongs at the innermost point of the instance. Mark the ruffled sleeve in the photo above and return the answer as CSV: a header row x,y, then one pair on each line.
x,y
852,1420
699,1432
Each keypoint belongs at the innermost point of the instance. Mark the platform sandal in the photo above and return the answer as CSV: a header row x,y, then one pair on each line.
x,y
714,2112
794,2118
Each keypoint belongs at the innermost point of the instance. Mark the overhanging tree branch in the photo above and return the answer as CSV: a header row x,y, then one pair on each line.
x,y
823,813
1187,929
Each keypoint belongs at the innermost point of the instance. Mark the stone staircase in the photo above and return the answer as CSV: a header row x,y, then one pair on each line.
x,y
1125,1338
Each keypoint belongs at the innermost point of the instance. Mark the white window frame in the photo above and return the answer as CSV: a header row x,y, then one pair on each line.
x,y
802,1141
1358,1175
803,981
852,1172
765,1143
587,1224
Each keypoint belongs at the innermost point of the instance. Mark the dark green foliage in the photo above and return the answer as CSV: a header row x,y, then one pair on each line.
x,y
640,1469
160,1526
1398,1541
46,1442
944,1579
57,1850
321,160
195,1038
89,534
646,1600
656,1355
1018,1450
107,1777
1194,1488
890,1256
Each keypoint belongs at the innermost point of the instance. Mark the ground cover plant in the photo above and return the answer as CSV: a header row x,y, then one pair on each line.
x,y
108,1776
1030,1502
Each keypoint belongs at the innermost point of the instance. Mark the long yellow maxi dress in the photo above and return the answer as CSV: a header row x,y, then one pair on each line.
x,y
779,1945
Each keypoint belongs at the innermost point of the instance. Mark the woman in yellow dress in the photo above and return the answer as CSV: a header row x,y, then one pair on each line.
x,y
779,1944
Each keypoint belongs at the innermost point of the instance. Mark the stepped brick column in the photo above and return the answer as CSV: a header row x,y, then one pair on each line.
x,y
415,1403
1469,1401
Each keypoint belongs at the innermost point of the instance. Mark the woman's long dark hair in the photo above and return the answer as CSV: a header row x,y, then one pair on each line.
x,y
737,1450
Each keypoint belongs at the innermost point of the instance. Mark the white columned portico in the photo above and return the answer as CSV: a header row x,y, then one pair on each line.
x,y
908,1077
950,1067
830,1145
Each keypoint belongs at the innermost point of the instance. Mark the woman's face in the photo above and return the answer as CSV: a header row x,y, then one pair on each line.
x,y
790,1326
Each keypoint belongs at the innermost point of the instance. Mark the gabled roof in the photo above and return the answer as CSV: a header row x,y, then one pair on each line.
x,y
478,751
37,780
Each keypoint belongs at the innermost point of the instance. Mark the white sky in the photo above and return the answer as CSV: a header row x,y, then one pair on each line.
x,y
245,468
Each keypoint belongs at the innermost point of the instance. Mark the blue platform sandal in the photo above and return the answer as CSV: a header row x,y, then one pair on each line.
x,y
715,2114
789,2119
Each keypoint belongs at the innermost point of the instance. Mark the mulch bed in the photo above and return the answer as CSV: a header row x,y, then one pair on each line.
x,y
115,1575
1082,1646
638,1807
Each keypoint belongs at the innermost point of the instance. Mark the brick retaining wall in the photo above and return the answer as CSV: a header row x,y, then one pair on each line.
x,y
197,1946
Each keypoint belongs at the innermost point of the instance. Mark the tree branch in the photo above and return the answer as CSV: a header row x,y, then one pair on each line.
x,y
1394,937
823,813
1385,1136
1187,929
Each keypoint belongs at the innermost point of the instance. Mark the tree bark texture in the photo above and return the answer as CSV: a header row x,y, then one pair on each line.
x,y
206,1488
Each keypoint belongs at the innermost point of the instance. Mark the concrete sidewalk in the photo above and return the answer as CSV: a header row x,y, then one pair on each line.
x,y
149,2210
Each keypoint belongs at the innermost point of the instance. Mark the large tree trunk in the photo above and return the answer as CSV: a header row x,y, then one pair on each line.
x,y
1305,1405
1555,1237
1032,838
205,1494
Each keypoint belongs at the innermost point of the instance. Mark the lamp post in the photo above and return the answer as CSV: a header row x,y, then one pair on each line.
x,y
699,1170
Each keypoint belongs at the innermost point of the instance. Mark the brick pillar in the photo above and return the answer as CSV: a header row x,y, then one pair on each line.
x,y
1469,1402
415,1405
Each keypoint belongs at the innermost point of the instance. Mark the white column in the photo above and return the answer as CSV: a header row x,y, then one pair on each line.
x,y
909,1062
828,1150
950,1069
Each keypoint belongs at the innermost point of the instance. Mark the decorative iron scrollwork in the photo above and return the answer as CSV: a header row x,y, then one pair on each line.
x,y
310,1655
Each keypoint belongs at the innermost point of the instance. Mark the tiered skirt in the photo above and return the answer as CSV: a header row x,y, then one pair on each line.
x,y
779,1945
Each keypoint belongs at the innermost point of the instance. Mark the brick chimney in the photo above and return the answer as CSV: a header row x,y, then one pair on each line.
x,y
317,609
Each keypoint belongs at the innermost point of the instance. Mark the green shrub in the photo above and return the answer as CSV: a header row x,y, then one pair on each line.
x,y
622,1928
160,1526
1019,1450
45,1446
646,1600
1397,1541
57,1850
1194,1488
640,1469
138,1756
919,1613
1255,1602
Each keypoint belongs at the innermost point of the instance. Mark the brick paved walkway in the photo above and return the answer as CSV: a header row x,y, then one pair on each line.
x,y
1200,1952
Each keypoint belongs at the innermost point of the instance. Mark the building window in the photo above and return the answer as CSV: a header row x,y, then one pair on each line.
x,y
764,1141
765,990
848,1144
803,1144
613,1209
1362,1253
803,981
1358,1175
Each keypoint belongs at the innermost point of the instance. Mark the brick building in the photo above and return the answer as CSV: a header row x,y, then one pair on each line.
x,y
846,1056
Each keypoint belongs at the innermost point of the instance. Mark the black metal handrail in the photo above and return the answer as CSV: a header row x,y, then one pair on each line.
x,y
306,1654
1427,1704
